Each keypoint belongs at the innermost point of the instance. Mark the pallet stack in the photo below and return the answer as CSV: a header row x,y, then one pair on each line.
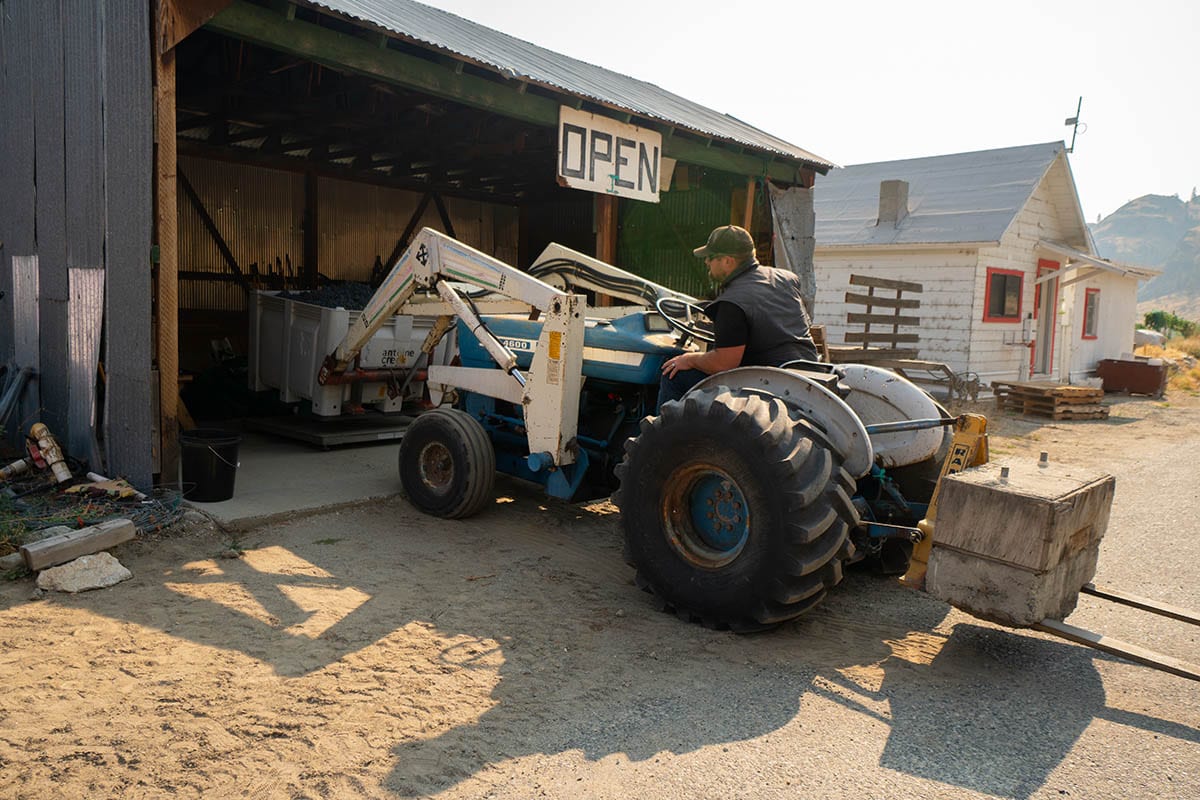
x,y
1052,400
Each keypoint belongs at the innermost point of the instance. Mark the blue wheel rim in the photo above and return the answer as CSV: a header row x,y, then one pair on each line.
x,y
705,515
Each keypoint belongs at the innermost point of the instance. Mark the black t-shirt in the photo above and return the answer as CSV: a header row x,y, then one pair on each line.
x,y
729,323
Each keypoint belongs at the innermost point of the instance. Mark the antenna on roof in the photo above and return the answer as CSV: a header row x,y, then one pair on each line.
x,y
1075,123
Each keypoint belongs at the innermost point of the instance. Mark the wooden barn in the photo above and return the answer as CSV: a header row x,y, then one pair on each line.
x,y
998,275
169,160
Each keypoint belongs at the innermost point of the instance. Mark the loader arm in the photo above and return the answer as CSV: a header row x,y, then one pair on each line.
x,y
548,392
566,268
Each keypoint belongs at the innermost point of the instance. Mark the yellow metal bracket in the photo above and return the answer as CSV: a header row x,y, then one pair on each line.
x,y
968,448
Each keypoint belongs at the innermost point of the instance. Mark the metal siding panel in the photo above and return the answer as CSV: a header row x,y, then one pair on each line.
x,y
86,318
259,213
48,91
361,222
83,134
129,156
17,177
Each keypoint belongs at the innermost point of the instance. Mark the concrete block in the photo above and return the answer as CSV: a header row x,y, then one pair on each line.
x,y
1017,549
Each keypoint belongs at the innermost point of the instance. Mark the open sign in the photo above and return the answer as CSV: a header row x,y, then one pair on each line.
x,y
599,154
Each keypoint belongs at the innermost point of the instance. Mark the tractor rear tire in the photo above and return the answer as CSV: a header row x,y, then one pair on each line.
x,y
447,464
735,515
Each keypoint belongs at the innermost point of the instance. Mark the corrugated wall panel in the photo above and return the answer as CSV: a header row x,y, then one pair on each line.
x,y
360,222
17,212
656,239
83,150
46,35
259,213
83,133
129,154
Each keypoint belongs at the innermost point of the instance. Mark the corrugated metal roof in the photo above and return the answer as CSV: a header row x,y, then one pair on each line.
x,y
965,197
523,61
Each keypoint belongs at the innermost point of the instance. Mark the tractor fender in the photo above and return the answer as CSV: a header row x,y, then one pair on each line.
x,y
810,400
880,395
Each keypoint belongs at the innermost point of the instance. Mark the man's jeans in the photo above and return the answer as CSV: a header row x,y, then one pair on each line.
x,y
675,388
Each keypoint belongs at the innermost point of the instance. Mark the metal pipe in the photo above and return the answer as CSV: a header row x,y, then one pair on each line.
x,y
368,375
910,425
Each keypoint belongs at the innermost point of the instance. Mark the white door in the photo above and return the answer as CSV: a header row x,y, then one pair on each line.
x,y
1046,307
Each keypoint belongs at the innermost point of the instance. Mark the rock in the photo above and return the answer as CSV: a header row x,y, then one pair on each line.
x,y
95,571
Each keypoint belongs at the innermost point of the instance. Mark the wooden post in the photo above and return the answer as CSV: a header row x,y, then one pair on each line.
x,y
748,219
606,235
166,195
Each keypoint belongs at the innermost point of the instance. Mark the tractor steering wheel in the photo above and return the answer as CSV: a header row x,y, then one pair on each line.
x,y
687,318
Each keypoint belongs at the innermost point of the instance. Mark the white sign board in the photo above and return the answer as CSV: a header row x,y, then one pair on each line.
x,y
599,154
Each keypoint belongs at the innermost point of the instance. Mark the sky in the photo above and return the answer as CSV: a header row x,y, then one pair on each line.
x,y
858,81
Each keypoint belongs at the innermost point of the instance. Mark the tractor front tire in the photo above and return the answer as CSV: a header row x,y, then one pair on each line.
x,y
735,514
447,464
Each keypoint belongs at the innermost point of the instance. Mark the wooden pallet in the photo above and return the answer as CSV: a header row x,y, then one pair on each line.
x,y
1052,400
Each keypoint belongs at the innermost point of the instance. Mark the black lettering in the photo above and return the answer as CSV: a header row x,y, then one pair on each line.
x,y
647,166
596,155
568,131
621,160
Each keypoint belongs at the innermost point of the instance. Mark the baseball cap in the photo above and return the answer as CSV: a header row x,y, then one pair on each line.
x,y
728,240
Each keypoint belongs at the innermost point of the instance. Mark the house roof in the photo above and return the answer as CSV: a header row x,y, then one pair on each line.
x,y
1104,264
959,198
522,61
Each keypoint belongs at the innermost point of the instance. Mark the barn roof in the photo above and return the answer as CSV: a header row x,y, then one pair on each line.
x,y
520,60
959,198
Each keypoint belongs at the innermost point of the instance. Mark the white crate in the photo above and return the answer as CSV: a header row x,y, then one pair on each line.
x,y
289,341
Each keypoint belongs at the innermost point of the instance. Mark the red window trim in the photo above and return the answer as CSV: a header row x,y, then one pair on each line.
x,y
1045,267
1087,294
987,294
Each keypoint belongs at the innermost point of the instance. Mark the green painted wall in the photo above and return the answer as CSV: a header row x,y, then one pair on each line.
x,y
656,240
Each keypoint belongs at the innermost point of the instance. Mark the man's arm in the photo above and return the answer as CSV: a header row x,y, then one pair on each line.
x,y
731,333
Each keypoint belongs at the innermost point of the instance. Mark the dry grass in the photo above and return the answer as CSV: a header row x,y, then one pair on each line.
x,y
1183,377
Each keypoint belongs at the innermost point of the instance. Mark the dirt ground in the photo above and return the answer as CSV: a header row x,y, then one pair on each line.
x,y
380,653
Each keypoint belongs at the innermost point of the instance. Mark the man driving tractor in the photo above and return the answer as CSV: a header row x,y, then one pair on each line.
x,y
759,317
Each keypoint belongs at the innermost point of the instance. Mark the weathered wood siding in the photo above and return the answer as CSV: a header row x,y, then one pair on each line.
x,y
946,275
996,352
1117,317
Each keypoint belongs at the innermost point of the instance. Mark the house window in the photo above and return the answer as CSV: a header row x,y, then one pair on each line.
x,y
1002,303
1091,313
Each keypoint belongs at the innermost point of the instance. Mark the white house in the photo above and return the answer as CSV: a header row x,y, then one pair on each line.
x,y
1013,289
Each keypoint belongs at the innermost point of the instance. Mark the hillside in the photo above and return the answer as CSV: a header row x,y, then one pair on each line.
x,y
1160,232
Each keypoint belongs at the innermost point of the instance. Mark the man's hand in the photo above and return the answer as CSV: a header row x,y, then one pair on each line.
x,y
711,362
677,363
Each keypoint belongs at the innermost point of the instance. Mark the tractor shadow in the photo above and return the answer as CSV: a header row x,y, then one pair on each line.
x,y
969,708
531,606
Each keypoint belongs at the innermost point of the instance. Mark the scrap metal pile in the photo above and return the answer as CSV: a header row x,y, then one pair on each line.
x,y
45,489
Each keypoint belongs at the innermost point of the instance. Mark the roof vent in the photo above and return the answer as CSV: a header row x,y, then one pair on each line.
x,y
893,202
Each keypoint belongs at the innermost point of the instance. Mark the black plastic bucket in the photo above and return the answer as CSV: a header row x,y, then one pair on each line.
x,y
209,463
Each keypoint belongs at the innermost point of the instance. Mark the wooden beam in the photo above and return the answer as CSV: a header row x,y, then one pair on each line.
x,y
73,544
353,54
179,18
881,319
881,336
885,283
889,302
751,185
168,261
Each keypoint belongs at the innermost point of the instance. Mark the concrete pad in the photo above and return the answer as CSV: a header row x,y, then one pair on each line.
x,y
279,476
